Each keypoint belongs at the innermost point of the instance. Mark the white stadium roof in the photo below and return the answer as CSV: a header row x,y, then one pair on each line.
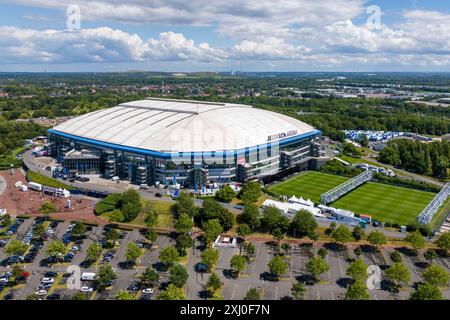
x,y
166,125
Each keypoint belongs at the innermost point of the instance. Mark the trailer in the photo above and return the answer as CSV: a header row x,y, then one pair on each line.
x,y
35,186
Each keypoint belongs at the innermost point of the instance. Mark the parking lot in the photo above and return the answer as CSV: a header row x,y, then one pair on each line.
x,y
44,277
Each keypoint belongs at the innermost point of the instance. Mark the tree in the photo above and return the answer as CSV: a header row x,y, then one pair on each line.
x,y
363,141
250,192
211,230
277,266
183,242
253,294
94,251
342,234
376,238
6,221
33,296
125,295
184,223
427,291
213,284
443,242
436,276
286,247
322,252
430,255
250,215
105,276
112,235
168,256
172,292
133,252
56,248
130,204
303,223
357,270
357,291
298,291
358,251
243,230
398,273
277,234
214,210
47,208
396,256
150,277
185,205
116,216
78,229
38,230
415,239
350,150
238,263
151,218
358,233
225,194
249,249
178,275
210,257
317,266
151,235
79,296
273,219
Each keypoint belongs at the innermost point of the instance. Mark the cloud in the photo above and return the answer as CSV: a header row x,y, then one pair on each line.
x,y
98,45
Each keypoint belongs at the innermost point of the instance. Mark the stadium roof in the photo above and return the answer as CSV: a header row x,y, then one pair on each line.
x,y
166,125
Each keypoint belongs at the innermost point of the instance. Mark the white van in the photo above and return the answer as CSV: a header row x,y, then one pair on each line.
x,y
88,276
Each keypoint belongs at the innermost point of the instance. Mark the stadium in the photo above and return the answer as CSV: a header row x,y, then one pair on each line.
x,y
191,143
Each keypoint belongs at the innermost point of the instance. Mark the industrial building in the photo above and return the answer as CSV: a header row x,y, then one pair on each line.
x,y
192,143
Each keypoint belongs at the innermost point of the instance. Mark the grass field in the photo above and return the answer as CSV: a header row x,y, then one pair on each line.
x,y
166,218
310,185
39,178
385,202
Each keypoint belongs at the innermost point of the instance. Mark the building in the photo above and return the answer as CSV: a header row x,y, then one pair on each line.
x,y
180,141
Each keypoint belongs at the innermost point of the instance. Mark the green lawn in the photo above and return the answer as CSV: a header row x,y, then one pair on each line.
x,y
385,202
39,178
310,185
166,218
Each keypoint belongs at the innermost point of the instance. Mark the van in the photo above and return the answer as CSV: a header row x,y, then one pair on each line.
x,y
88,276
144,186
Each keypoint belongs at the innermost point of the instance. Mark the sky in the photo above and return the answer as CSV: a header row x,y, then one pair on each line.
x,y
211,35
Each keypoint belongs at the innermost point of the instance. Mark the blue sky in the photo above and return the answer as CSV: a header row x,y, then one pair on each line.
x,y
209,35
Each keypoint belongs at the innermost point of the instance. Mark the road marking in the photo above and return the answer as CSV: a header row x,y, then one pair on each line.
x,y
233,292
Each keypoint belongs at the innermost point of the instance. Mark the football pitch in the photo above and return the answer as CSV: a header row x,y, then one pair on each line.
x,y
383,202
310,185
386,203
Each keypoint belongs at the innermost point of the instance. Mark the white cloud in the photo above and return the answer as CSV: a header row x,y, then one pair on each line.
x,y
98,45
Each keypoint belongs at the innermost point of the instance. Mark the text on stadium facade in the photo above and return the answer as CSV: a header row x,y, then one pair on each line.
x,y
281,135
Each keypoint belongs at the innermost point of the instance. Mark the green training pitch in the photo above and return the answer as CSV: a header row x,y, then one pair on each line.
x,y
310,185
386,203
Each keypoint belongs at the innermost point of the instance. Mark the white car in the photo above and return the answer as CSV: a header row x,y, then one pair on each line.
x,y
41,292
86,289
74,248
4,280
50,231
48,280
147,291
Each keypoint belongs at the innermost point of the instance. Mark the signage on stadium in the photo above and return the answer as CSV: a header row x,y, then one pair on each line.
x,y
281,135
